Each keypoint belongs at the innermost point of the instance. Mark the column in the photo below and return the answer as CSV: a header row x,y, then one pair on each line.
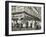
x,y
29,23
33,24
24,25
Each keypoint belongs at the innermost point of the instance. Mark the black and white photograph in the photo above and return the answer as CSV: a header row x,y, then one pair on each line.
x,y
25,18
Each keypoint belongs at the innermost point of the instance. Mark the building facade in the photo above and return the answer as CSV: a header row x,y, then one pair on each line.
x,y
24,20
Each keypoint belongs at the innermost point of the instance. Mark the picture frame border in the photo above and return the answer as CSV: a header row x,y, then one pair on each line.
x,y
7,17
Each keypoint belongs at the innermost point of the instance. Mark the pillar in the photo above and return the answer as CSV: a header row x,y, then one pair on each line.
x,y
29,23
33,24
24,25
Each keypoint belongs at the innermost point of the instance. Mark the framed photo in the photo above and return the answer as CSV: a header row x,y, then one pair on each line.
x,y
24,18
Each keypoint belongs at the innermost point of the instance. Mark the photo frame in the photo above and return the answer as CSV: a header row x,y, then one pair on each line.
x,y
24,18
